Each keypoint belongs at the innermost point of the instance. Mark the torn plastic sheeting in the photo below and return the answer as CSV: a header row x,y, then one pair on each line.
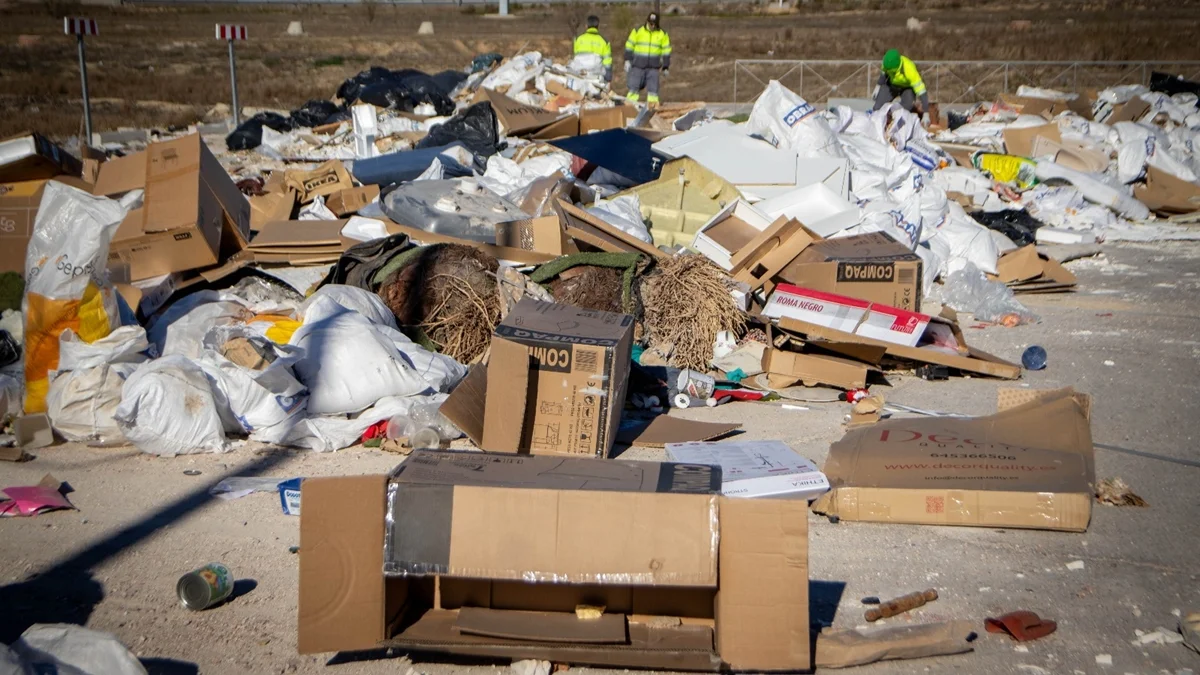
x,y
266,403
621,151
457,208
405,166
966,289
506,177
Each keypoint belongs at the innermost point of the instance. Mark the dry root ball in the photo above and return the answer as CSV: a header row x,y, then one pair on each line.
x,y
448,291
589,287
686,301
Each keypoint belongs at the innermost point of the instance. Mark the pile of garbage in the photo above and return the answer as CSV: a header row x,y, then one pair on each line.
x,y
512,255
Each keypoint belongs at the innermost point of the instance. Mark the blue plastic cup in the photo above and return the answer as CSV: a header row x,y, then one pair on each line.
x,y
1034,358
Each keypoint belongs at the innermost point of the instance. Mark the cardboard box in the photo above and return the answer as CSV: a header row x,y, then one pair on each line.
x,y
349,201
1026,271
1028,466
872,267
18,209
1130,111
729,231
324,180
32,157
851,315
760,260
749,613
299,241
555,382
544,234
275,205
517,118
1166,194
785,368
1019,141
756,468
192,215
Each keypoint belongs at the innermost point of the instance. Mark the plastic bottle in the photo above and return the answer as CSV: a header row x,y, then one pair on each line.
x,y
424,427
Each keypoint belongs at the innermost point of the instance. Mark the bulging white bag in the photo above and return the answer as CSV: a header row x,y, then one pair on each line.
x,y
333,298
788,121
266,403
350,363
85,391
167,408
181,328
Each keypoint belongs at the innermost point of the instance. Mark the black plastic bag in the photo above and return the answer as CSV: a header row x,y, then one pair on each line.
x,y
1173,84
349,91
390,94
248,135
10,349
485,61
474,127
1016,224
313,114
448,80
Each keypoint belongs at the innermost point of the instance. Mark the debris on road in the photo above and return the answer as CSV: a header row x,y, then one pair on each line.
x,y
1022,626
1116,492
900,605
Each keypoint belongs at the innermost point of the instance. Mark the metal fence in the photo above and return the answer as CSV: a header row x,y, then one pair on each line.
x,y
948,81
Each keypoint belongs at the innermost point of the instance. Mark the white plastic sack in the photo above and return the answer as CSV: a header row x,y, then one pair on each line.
x,y
1094,190
167,409
1048,94
1064,206
589,64
66,284
350,363
266,403
181,328
333,298
515,72
85,391
505,177
788,121
625,214
316,210
966,240
67,649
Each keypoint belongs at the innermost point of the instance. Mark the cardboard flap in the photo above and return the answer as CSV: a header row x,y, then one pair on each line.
x,y
769,252
507,392
593,231
1166,194
541,626
517,117
326,179
466,404
293,234
786,368
656,433
1019,265
342,599
1019,141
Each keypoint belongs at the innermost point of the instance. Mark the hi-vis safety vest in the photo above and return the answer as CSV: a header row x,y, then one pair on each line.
x,y
906,77
591,42
647,48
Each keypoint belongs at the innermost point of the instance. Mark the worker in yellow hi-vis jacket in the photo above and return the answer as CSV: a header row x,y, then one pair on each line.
x,y
592,42
899,77
647,60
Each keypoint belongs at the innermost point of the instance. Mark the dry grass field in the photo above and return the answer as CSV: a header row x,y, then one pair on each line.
x,y
159,66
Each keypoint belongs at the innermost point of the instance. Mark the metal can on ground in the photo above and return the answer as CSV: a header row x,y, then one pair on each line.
x,y
695,384
205,587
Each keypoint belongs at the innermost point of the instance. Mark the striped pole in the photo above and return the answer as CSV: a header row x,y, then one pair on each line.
x,y
229,33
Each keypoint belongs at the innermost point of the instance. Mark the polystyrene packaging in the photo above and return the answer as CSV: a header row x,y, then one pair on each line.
x,y
788,121
66,280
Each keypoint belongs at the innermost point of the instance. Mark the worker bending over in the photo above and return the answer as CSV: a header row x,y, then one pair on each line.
x,y
591,42
900,78
647,59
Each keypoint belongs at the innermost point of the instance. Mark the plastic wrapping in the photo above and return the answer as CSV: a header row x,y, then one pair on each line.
x,y
458,208
66,283
266,402
625,214
788,121
968,290
1094,190
181,328
398,89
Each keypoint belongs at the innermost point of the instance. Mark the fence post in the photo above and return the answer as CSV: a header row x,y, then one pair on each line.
x,y
736,68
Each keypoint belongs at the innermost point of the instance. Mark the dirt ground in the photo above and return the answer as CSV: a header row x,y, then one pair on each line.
x,y
1128,337
161,66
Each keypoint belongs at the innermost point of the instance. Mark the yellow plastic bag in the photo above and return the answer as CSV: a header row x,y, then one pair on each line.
x,y
1010,169
66,279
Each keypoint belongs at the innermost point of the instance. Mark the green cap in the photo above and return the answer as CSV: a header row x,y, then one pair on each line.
x,y
891,60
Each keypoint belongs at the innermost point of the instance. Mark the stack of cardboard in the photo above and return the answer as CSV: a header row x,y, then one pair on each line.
x,y
1027,271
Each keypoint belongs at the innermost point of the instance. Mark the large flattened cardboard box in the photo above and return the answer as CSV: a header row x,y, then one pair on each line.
x,y
872,267
192,215
555,382
1031,465
19,204
482,554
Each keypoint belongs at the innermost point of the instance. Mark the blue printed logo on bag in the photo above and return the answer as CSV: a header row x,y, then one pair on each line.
x,y
798,113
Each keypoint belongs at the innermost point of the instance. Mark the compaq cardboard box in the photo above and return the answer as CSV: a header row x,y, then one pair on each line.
x,y
192,215
488,555
872,267
554,384
1028,466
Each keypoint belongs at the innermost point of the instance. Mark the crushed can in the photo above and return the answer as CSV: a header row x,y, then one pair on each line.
x,y
205,587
